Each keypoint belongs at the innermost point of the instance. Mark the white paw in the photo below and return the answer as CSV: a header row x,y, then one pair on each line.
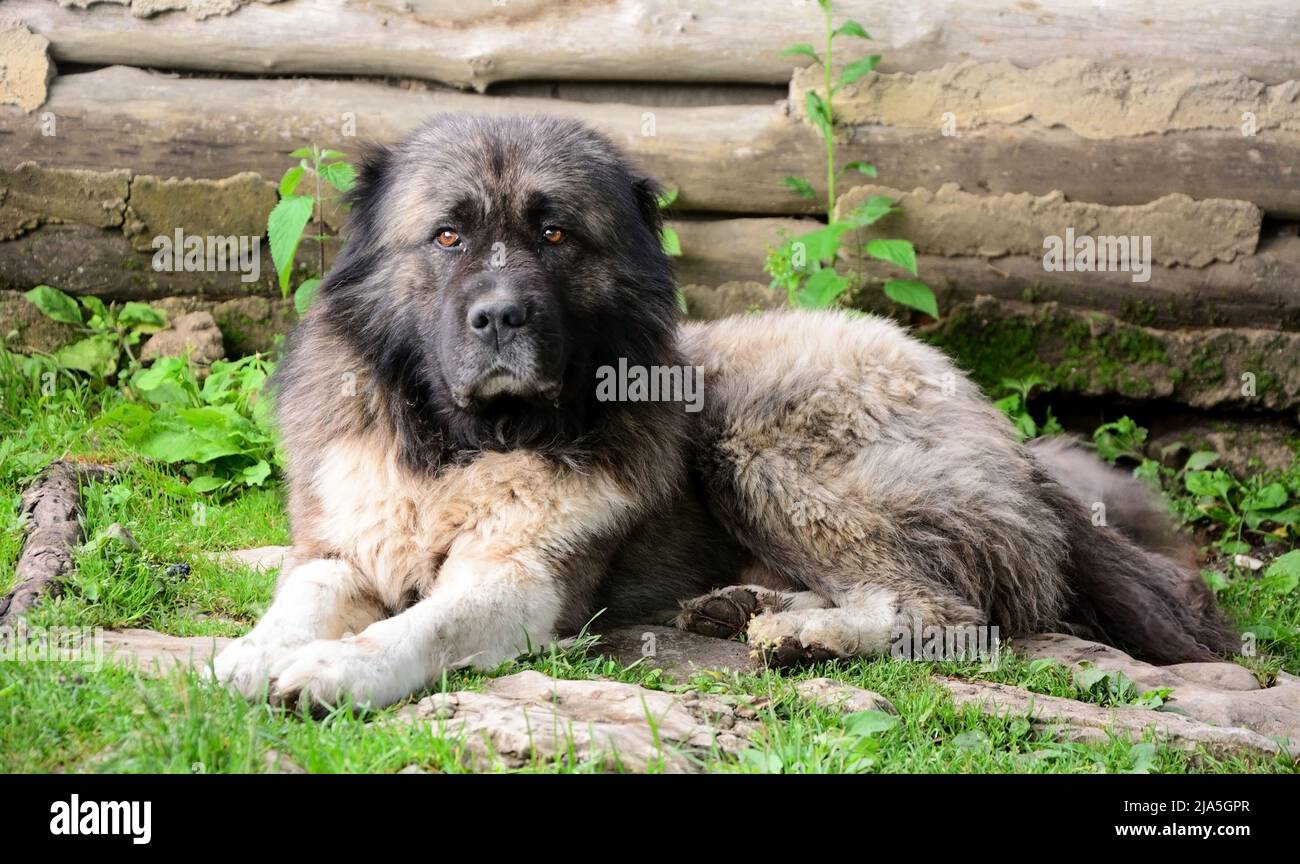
x,y
246,663
793,638
326,671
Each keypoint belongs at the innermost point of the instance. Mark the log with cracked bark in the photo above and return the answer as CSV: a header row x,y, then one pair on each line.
x,y
475,44
723,158
52,506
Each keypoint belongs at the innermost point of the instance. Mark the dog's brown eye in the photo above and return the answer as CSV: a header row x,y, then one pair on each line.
x,y
554,236
447,238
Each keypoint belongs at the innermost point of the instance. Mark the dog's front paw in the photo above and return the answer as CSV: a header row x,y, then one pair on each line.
x,y
327,672
246,664
785,639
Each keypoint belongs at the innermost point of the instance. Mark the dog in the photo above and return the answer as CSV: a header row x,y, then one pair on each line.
x,y
459,493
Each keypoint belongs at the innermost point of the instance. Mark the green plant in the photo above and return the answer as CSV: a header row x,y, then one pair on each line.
x,y
1122,439
1258,506
109,332
805,266
1264,506
1115,688
1016,406
672,244
288,220
220,432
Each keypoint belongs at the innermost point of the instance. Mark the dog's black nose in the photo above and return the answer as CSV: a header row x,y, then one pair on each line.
x,y
497,321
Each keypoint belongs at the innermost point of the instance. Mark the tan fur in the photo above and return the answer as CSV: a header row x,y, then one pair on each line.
x,y
397,529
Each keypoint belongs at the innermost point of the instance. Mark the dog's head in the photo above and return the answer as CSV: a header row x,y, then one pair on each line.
x,y
492,263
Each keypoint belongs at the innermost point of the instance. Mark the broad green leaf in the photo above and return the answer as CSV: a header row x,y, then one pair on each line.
x,y
54,304
100,319
821,290
1209,484
284,228
822,244
96,355
851,28
1271,497
1283,575
1088,676
289,182
871,211
801,186
857,70
1201,460
1215,580
333,154
861,168
802,49
207,484
301,153
666,198
169,381
255,475
142,316
303,297
340,175
681,302
897,252
912,294
1289,516
672,244
866,723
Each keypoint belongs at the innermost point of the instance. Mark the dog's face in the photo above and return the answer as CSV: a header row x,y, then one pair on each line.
x,y
494,262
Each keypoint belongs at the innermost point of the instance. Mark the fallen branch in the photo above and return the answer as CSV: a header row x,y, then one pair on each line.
x,y
52,505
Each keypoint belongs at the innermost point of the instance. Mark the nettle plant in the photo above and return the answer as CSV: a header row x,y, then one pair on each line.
x,y
805,266
288,221
671,243
109,333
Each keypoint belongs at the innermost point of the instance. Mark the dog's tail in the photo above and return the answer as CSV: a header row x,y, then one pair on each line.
x,y
1129,589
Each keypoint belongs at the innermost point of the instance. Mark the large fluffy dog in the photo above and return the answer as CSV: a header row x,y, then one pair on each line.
x,y
459,493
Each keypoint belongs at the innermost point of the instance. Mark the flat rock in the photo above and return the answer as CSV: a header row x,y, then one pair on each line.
x,y
846,698
679,654
1215,693
152,651
195,334
528,717
261,558
1070,720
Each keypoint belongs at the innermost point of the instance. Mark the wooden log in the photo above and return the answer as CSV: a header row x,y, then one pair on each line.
x,y
473,45
52,505
726,159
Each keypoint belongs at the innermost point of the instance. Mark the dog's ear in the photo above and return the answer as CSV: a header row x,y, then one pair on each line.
x,y
646,191
364,196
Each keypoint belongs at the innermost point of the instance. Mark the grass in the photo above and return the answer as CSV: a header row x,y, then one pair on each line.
x,y
65,717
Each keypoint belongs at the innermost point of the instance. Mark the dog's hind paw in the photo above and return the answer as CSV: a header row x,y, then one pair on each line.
x,y
726,612
796,638
723,613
